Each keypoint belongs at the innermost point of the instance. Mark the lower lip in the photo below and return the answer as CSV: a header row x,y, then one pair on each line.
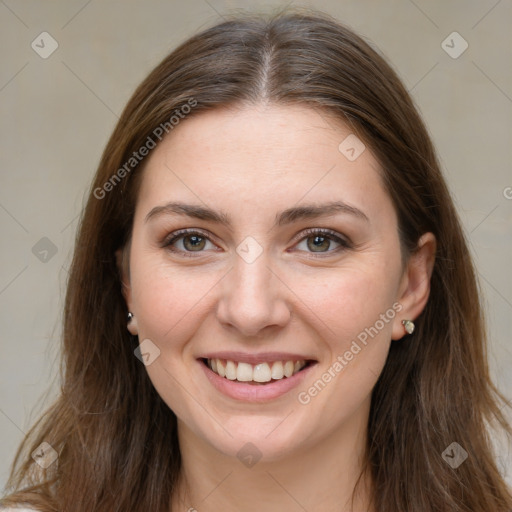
x,y
254,392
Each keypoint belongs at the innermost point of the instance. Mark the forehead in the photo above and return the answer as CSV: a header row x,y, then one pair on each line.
x,y
264,155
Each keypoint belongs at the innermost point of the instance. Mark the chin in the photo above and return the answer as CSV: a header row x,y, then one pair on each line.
x,y
267,439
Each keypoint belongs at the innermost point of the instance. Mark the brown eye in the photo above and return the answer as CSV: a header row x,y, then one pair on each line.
x,y
186,242
322,241
193,242
318,243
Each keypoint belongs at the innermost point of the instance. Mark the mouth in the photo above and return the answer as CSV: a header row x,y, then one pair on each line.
x,y
260,374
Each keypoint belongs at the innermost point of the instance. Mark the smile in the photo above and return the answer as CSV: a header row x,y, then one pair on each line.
x,y
260,373
253,378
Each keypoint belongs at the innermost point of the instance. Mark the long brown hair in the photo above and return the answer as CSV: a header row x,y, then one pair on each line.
x,y
116,439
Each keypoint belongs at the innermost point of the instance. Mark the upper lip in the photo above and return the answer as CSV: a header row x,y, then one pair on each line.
x,y
263,357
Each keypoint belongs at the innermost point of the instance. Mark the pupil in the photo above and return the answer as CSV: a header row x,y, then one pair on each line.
x,y
194,242
319,242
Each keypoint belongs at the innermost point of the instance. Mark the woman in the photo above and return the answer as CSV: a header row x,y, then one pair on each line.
x,y
271,302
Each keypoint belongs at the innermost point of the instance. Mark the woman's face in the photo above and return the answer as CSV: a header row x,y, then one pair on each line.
x,y
291,263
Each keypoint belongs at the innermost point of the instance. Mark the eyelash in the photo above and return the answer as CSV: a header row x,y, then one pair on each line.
x,y
327,233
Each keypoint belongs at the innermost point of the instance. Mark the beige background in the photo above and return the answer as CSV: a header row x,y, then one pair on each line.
x,y
57,113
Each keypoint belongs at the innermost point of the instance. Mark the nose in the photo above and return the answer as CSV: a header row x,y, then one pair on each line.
x,y
254,298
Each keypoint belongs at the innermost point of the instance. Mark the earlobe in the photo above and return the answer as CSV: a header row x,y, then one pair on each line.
x,y
415,286
126,289
132,324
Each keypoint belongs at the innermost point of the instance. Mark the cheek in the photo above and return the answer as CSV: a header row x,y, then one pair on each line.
x,y
355,312
351,300
167,301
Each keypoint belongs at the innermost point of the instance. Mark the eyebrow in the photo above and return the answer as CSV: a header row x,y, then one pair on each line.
x,y
288,216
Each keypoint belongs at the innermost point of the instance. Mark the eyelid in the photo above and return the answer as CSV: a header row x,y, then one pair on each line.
x,y
344,241
185,231
176,235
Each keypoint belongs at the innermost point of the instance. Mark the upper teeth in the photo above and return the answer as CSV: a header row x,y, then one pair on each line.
x,y
262,372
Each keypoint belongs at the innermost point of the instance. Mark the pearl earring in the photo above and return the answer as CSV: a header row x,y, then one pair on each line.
x,y
409,326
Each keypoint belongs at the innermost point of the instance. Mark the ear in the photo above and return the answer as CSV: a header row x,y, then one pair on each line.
x,y
414,287
126,290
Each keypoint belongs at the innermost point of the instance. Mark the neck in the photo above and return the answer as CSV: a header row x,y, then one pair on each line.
x,y
319,477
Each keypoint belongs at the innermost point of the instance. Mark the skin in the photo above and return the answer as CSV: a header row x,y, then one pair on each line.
x,y
253,162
